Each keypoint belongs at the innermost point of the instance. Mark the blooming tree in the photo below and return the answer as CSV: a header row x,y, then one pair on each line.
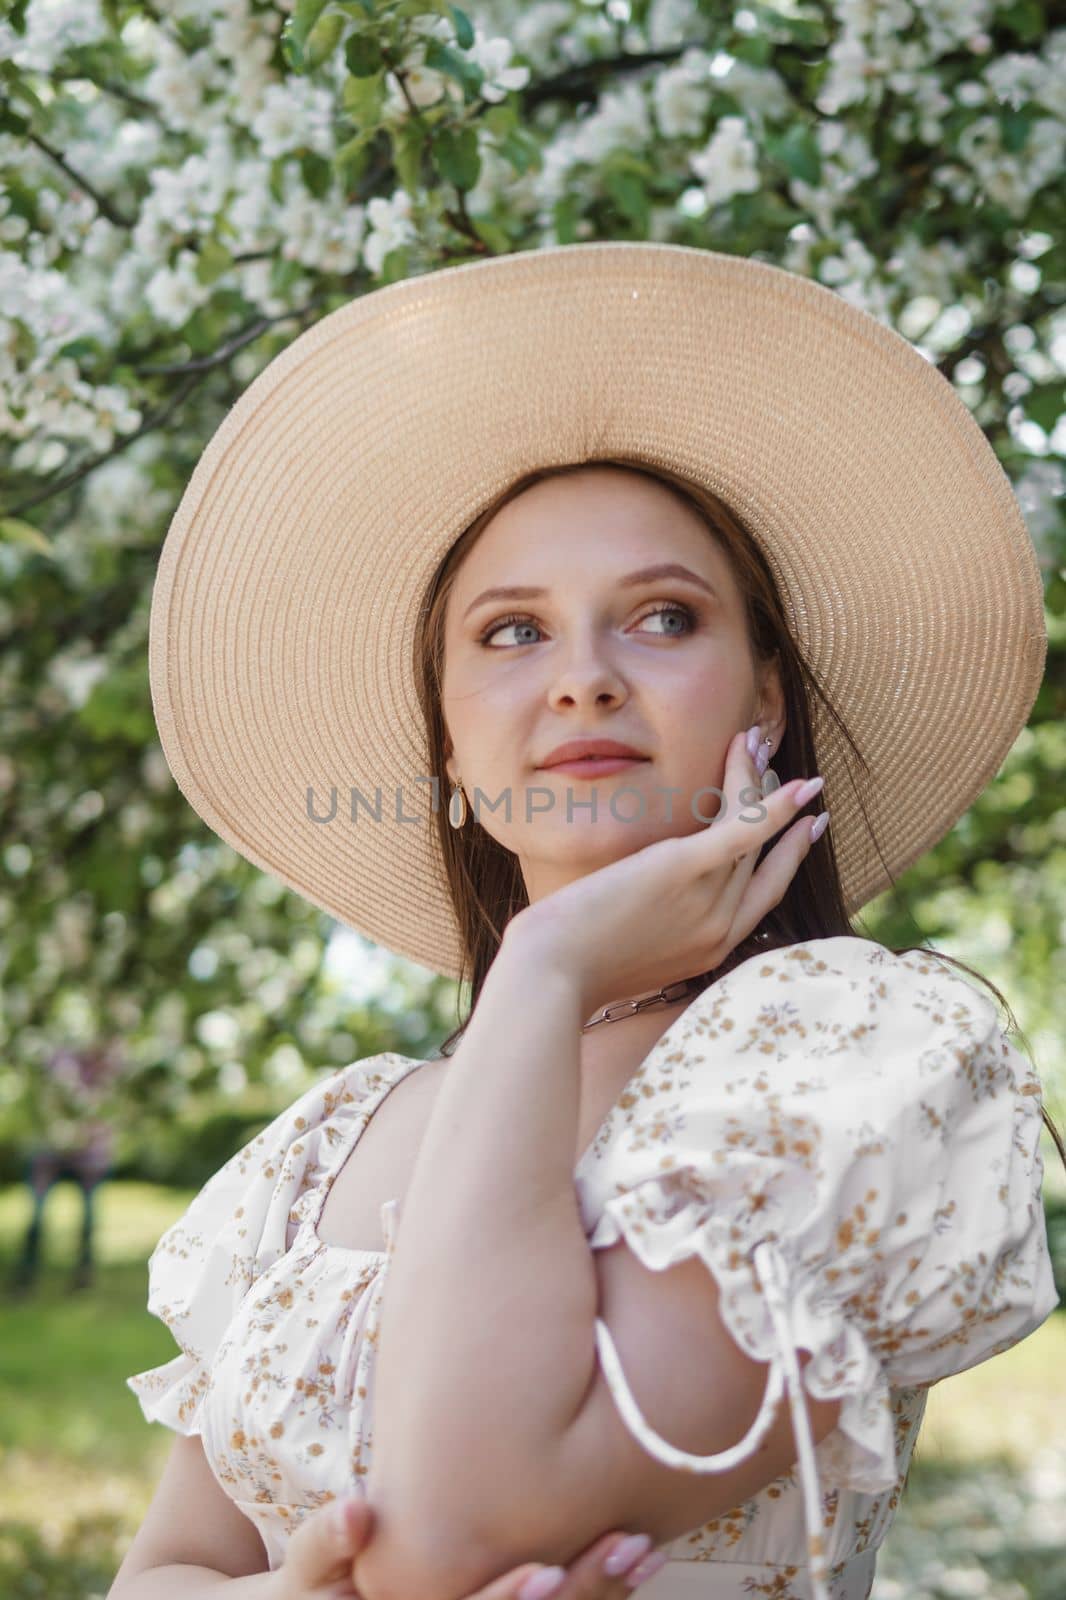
x,y
188,186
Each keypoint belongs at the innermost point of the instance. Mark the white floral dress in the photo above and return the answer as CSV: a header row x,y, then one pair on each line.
x,y
845,1137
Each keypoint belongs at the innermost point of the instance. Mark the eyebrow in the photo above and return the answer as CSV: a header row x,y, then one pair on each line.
x,y
664,569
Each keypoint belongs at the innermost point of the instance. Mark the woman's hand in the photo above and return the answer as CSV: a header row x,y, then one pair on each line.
x,y
320,1555
679,906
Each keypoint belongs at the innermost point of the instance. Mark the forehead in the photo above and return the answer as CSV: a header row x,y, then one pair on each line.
x,y
600,523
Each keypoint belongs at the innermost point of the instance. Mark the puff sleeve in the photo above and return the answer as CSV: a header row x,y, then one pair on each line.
x,y
850,1143
235,1228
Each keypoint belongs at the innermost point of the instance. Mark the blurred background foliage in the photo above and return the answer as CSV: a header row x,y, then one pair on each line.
x,y
183,190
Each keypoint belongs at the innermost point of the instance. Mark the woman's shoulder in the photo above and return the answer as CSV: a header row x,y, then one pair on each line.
x,y
845,978
324,1107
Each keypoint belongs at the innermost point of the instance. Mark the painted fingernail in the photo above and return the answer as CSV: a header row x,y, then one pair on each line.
x,y
807,791
762,760
625,1554
753,741
819,825
647,1569
543,1583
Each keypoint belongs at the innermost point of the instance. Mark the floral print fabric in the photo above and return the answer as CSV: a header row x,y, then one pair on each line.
x,y
845,1137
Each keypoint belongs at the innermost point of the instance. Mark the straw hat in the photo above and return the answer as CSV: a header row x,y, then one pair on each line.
x,y
285,604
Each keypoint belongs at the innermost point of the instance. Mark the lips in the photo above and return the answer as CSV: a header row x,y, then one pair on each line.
x,y
591,750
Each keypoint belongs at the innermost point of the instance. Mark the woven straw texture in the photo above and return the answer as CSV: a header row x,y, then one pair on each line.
x,y
285,603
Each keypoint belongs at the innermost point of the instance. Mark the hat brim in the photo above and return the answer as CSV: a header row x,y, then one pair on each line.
x,y
286,599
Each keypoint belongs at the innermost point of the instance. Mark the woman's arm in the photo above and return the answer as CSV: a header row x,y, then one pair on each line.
x,y
495,1437
174,1583
486,1349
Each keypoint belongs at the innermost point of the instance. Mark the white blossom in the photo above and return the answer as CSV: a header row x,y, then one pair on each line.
x,y
672,22
493,56
681,95
536,28
174,293
728,163
620,121
52,28
292,115
390,225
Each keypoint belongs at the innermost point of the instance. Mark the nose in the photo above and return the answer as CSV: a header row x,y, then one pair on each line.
x,y
588,677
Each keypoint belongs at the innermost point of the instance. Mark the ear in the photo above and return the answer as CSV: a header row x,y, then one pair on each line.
x,y
771,704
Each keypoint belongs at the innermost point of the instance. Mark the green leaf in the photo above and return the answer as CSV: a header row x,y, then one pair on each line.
x,y
276,179
500,118
1015,127
305,13
323,40
284,275
16,531
442,58
1026,20
754,48
455,155
407,155
349,162
363,54
1045,404
13,122
464,32
495,236
629,194
566,215
20,90
317,172
214,260
82,349
522,150
363,100
395,265
797,151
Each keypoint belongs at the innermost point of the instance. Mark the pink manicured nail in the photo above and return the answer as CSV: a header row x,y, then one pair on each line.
x,y
647,1568
753,741
819,825
543,1583
623,1556
807,791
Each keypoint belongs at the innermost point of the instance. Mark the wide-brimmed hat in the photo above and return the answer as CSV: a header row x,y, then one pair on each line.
x,y
287,595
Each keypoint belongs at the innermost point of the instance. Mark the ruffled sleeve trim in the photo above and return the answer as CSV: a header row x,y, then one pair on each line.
x,y
240,1223
855,1158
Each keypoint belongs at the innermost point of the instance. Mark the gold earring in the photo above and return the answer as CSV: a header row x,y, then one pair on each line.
x,y
457,813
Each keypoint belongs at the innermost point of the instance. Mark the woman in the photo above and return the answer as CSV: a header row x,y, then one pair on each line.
x,y
777,1172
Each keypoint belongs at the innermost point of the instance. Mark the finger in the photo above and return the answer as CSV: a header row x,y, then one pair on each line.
x,y
743,789
746,820
324,1545
769,883
585,1576
748,830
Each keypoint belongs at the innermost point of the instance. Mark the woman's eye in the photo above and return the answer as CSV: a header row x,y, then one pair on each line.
x,y
685,614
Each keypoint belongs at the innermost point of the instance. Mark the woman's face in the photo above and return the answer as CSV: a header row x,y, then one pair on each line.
x,y
661,664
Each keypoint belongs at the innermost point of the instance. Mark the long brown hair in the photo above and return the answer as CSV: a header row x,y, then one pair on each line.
x,y
485,880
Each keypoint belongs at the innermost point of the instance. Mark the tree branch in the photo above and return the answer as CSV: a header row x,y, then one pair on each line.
x,y
103,204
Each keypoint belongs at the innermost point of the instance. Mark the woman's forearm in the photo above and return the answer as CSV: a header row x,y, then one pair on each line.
x,y
486,1346
203,1583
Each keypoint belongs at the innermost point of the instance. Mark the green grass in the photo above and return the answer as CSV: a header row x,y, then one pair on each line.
x,y
981,1515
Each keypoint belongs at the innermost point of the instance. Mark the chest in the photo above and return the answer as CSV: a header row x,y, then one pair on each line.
x,y
380,1165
